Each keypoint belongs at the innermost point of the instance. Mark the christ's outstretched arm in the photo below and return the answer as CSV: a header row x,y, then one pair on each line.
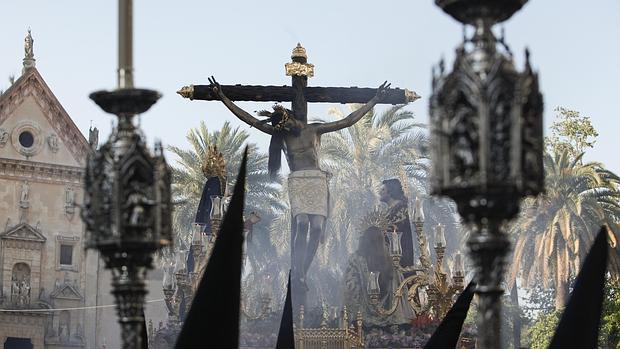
x,y
240,113
355,116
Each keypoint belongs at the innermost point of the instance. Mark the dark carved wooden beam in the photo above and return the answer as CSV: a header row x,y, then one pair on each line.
x,y
287,93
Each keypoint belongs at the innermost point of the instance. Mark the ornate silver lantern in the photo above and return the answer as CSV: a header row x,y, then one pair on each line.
x,y
486,122
127,208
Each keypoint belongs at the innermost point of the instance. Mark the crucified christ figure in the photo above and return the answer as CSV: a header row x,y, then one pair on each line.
x,y
307,183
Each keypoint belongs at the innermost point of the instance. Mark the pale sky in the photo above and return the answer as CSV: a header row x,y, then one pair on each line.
x,y
575,46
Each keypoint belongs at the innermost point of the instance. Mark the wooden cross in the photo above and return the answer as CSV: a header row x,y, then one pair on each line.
x,y
298,93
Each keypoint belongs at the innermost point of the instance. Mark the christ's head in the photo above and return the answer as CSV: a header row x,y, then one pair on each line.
x,y
281,119
391,189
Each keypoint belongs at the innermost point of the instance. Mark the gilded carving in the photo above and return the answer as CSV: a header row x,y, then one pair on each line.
x,y
187,92
299,69
214,164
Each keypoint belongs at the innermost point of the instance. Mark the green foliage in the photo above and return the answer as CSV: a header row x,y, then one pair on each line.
x,y
610,322
571,132
554,231
540,334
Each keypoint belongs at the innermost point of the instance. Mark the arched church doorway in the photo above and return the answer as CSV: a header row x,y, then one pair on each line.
x,y
18,343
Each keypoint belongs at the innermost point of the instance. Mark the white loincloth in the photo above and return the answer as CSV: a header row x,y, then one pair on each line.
x,y
308,192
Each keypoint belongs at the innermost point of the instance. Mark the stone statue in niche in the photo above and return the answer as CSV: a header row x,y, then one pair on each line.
x,y
64,324
70,201
14,290
43,296
24,194
4,137
24,293
63,333
20,285
79,332
52,141
49,331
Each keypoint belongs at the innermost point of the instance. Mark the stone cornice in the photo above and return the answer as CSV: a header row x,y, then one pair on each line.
x,y
40,172
23,245
21,316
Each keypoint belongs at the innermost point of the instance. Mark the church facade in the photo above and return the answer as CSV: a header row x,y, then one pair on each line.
x,y
48,282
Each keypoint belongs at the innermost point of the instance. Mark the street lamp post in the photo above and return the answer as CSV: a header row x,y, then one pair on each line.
x,y
127,208
486,121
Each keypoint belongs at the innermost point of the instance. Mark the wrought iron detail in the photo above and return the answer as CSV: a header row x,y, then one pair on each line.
x,y
127,208
486,120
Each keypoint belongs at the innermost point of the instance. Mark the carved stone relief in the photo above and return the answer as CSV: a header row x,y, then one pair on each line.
x,y
4,137
52,141
70,202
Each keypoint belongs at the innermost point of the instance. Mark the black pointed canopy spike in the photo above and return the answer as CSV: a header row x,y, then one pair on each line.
x,y
447,334
578,327
145,336
215,309
286,335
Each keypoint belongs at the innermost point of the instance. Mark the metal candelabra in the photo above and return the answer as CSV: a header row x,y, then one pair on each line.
x,y
424,278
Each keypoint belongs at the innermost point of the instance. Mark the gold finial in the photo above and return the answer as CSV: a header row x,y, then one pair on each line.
x,y
299,52
411,96
187,92
299,66
214,164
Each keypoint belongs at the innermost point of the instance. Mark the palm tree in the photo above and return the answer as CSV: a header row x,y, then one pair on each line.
x,y
262,195
556,229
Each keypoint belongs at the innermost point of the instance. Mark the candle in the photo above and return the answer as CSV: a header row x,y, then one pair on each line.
x,y
179,266
418,213
125,44
458,264
216,207
395,245
167,281
197,234
440,239
373,283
